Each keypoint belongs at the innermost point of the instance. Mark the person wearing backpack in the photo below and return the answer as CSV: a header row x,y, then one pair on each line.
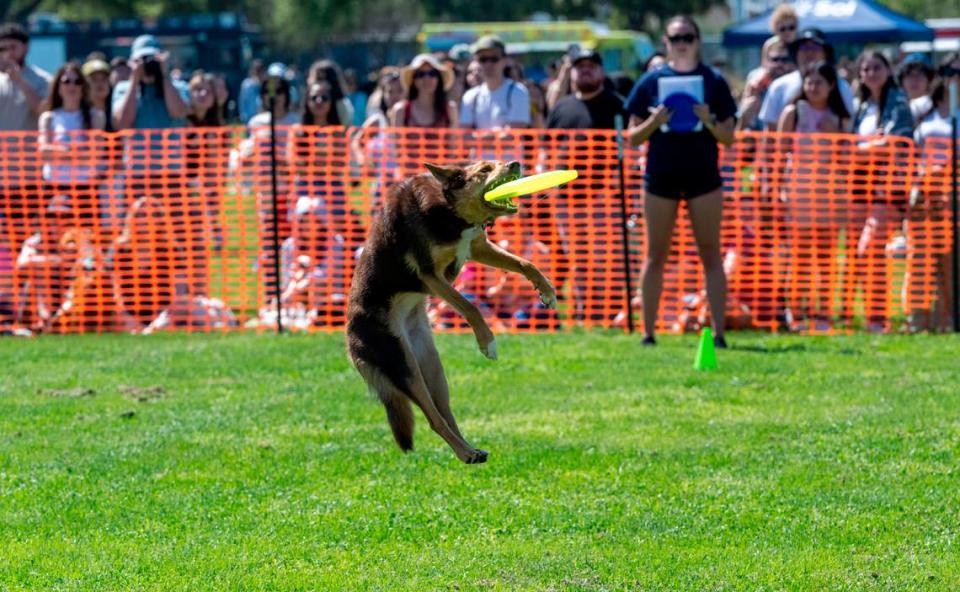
x,y
498,102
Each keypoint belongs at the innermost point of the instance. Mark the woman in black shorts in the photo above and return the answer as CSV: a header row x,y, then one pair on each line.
x,y
683,166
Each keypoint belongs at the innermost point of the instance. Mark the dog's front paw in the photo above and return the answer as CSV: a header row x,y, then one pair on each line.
x,y
490,349
548,296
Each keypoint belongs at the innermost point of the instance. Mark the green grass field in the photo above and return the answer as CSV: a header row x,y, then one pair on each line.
x,y
248,462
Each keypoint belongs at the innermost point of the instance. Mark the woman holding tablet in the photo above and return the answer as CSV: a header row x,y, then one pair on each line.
x,y
683,120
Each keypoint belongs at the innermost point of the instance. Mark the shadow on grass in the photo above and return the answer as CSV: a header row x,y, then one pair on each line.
x,y
793,348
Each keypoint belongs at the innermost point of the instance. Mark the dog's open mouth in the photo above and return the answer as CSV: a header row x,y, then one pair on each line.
x,y
506,202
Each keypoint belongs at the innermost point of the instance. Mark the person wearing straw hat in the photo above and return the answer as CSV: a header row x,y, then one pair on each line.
x,y
426,82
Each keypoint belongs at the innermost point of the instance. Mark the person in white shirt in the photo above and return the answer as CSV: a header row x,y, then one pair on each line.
x,y
69,155
928,225
810,47
925,107
499,102
915,77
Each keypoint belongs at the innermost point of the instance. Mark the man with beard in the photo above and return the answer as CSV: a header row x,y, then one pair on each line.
x,y
22,87
810,47
592,105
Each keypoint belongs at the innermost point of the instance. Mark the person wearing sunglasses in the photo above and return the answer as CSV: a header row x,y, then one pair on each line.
x,y
809,48
783,23
776,61
683,165
427,83
69,161
328,71
320,110
498,102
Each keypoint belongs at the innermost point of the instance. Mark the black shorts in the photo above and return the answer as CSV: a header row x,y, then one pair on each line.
x,y
684,186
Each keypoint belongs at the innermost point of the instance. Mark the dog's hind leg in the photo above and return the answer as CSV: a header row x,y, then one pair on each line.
x,y
400,418
420,393
397,404
422,344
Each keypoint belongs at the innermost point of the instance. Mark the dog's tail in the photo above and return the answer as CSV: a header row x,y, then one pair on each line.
x,y
400,417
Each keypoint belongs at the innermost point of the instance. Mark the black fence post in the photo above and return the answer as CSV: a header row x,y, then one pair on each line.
x,y
275,230
955,305
618,120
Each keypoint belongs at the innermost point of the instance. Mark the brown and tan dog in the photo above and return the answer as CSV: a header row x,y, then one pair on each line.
x,y
430,226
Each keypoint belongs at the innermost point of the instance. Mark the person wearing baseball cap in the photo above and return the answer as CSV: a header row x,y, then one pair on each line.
x,y
97,73
426,82
811,46
151,99
592,105
497,102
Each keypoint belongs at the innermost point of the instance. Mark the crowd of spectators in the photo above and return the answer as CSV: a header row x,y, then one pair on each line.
x,y
800,86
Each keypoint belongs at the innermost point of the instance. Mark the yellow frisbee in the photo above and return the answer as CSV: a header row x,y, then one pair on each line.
x,y
531,184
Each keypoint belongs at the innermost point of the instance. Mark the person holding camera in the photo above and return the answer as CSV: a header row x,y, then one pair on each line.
x,y
151,99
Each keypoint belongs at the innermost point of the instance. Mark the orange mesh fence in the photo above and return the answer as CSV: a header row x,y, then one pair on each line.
x,y
154,230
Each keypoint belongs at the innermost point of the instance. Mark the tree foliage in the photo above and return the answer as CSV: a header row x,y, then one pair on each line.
x,y
304,24
17,10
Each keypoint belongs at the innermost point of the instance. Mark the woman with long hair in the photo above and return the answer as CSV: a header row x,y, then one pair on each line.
x,y
820,107
70,161
204,111
97,73
387,93
426,105
207,146
321,110
319,214
880,107
683,166
880,112
68,106
328,71
813,228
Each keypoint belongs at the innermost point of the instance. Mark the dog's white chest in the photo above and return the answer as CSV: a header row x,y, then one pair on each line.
x,y
463,247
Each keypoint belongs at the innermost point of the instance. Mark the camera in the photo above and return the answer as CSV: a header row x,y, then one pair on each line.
x,y
151,66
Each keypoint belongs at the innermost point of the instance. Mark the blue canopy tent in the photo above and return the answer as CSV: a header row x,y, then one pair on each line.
x,y
843,22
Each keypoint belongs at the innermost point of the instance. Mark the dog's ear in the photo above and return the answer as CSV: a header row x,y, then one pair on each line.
x,y
449,177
